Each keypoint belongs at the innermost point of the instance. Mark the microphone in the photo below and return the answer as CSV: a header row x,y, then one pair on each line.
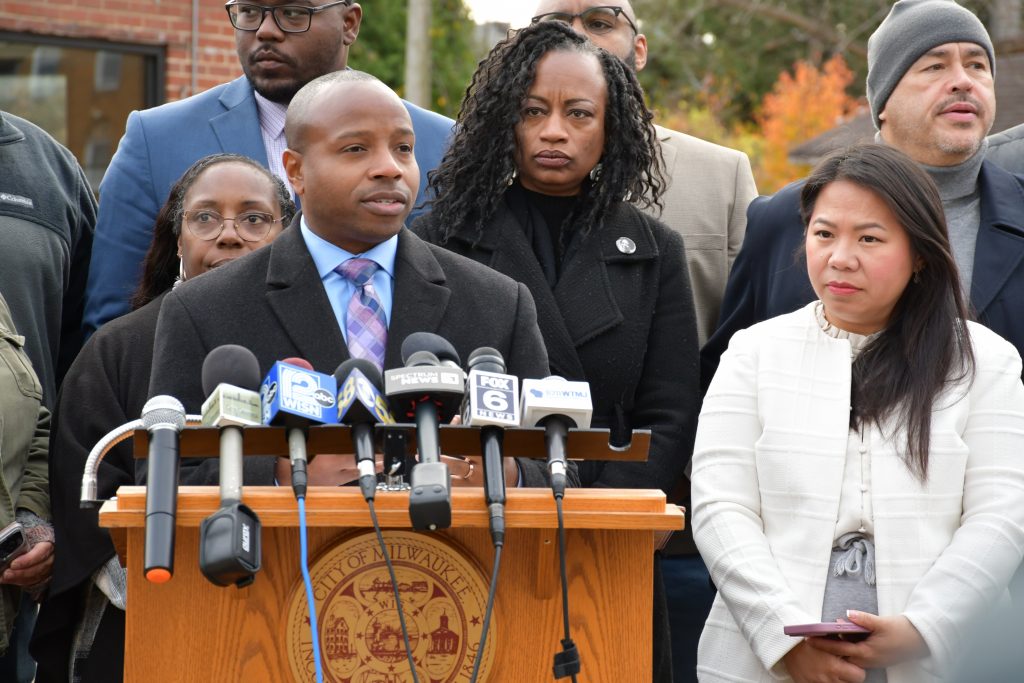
x,y
492,403
427,390
163,417
361,405
229,539
556,404
294,396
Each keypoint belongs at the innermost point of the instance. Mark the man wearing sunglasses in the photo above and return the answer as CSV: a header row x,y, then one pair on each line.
x,y
706,201
282,45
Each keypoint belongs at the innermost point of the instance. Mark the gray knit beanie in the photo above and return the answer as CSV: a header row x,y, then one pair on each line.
x,y
912,28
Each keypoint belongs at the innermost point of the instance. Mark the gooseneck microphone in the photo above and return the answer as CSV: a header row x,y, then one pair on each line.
x,y
491,403
361,405
429,389
295,396
163,417
229,541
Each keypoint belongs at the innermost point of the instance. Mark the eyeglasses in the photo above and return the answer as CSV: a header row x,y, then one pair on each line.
x,y
596,20
289,18
251,226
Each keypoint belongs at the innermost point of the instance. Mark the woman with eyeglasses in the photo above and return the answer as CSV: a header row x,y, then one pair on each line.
x,y
553,147
224,207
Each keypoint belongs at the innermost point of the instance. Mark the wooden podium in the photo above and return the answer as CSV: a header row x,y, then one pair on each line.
x,y
190,630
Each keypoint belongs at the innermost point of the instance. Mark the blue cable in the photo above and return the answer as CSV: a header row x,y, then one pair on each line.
x,y
309,590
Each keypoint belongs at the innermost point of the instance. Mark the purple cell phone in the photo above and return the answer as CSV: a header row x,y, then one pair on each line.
x,y
836,629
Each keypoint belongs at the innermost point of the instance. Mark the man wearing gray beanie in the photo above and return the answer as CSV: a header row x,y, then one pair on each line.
x,y
931,89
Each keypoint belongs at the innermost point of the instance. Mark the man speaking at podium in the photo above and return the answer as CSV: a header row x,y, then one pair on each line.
x,y
347,278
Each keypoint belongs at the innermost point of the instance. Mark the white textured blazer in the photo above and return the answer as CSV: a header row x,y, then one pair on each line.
x,y
709,188
767,472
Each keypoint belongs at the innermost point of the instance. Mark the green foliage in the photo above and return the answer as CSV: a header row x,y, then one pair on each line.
x,y
380,49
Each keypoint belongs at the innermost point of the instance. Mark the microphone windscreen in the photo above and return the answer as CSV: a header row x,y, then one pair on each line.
x,y
368,368
299,363
231,364
487,359
428,341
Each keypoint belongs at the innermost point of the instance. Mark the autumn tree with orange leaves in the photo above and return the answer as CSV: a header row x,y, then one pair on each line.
x,y
802,105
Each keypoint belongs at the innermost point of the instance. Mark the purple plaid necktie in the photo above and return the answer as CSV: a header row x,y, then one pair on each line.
x,y
365,324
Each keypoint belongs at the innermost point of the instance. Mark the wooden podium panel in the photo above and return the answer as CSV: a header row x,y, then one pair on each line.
x,y
190,630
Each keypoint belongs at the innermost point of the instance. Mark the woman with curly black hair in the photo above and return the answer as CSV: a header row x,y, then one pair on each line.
x,y
553,145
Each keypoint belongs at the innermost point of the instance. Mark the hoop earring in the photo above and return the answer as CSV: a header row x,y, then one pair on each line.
x,y
595,173
181,273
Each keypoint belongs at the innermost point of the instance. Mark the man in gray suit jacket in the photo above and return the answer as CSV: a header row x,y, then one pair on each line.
x,y
279,54
350,159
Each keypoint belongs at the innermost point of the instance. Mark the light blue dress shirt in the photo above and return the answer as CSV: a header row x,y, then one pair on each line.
x,y
327,257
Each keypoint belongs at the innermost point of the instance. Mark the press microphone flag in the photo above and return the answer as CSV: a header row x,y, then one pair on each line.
x,y
295,396
556,404
491,403
229,539
361,405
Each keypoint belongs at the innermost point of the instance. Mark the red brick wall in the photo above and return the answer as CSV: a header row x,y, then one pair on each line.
x,y
167,23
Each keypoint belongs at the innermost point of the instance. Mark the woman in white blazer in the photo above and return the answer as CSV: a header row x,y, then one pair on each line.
x,y
864,453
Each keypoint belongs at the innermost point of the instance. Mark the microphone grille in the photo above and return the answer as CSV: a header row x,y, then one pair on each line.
x,y
368,368
421,358
163,410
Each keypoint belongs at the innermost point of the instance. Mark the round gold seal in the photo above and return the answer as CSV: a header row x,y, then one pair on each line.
x,y
444,595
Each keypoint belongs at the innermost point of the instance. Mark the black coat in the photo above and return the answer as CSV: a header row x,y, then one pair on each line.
x,y
105,387
769,276
273,302
624,322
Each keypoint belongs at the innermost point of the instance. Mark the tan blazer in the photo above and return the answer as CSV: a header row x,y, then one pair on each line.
x,y
706,202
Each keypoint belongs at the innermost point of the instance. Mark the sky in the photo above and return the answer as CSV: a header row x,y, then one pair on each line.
x,y
514,12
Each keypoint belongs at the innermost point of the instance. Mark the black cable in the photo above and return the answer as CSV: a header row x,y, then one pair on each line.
x,y
567,662
394,588
487,613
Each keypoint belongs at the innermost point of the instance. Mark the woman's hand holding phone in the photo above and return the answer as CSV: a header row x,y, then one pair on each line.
x,y
893,640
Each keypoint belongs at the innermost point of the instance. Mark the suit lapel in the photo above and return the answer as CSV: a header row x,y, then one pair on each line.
x,y
585,294
512,255
420,295
668,152
234,126
297,298
1000,244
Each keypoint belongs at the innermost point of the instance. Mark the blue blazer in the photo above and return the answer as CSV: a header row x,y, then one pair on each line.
x,y
769,276
159,144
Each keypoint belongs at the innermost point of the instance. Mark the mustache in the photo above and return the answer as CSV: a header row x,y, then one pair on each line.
x,y
957,99
265,53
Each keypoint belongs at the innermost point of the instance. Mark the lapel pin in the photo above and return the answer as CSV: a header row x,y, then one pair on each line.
x,y
625,245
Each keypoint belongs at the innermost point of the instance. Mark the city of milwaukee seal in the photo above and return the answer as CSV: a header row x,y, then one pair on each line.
x,y
444,596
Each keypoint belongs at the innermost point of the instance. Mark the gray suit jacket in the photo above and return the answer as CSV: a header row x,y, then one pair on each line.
x,y
273,302
706,202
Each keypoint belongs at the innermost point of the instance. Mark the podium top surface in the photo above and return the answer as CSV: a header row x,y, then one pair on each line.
x,y
521,442
344,507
